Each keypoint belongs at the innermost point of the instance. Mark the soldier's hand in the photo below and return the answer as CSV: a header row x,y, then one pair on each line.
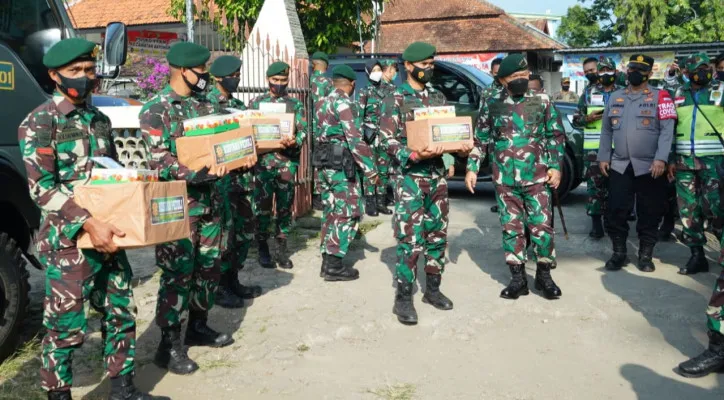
x,y
671,172
604,165
101,235
471,179
673,69
451,171
218,170
554,178
657,168
465,151
290,142
430,152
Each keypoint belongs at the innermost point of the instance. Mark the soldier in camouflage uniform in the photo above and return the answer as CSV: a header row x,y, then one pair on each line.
x,y
320,87
525,135
338,117
590,113
57,140
276,171
421,212
236,192
191,268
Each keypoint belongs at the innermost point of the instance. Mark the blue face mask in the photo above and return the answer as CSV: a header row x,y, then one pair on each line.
x,y
685,78
394,77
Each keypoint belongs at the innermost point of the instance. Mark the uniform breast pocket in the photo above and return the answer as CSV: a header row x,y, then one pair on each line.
x,y
104,139
615,116
72,158
645,120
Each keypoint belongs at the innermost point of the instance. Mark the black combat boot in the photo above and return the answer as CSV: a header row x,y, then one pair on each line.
x,y
711,360
404,309
518,285
336,271
317,203
283,255
596,227
697,262
245,292
544,282
381,206
646,254
433,296
494,209
122,388
225,298
172,355
264,256
323,270
59,395
390,196
619,258
371,206
198,332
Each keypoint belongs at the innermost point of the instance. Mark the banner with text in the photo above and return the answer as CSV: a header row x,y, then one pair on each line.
x,y
573,63
480,61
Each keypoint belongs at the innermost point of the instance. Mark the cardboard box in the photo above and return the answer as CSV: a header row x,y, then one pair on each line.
x,y
100,176
452,133
148,212
286,122
267,133
233,148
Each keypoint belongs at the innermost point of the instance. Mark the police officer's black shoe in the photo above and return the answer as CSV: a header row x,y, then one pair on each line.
x,y
317,203
371,206
336,271
122,388
619,259
381,206
404,308
283,255
59,395
545,283
711,360
433,296
264,255
172,355
697,262
596,227
646,254
198,332
225,298
518,285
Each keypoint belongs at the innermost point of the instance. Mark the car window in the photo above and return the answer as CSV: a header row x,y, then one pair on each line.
x,y
455,89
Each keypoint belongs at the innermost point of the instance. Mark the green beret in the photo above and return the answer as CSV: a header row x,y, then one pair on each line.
x,y
696,61
187,55
225,66
419,51
69,50
344,71
320,55
278,68
511,64
606,62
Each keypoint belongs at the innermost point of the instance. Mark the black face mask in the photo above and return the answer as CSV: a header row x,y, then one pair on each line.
x,y
636,78
230,84
565,88
518,87
201,83
592,77
77,88
720,76
606,79
701,77
422,75
278,90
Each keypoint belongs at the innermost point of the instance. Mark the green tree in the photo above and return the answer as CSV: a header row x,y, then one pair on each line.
x,y
579,28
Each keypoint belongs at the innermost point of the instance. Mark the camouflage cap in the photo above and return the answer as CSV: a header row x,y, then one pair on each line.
x,y
344,71
511,64
187,55
69,50
320,55
419,51
225,66
606,62
696,61
278,68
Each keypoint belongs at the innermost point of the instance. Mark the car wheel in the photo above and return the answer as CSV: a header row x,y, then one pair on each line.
x,y
14,288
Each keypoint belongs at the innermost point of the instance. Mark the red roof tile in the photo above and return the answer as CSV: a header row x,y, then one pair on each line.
x,y
98,13
411,10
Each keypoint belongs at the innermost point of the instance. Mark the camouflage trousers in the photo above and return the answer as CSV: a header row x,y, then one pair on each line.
x,y
191,267
342,212
237,218
420,224
715,311
382,164
274,185
526,207
74,280
697,194
597,184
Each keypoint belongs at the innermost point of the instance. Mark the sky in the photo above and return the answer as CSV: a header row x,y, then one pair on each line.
x,y
557,7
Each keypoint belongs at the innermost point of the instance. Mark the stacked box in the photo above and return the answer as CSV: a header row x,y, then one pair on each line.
x,y
216,140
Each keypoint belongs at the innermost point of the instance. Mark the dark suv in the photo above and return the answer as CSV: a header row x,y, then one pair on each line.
x,y
462,85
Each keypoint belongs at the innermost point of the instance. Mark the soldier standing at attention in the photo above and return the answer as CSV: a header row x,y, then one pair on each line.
x,y
191,268
421,212
320,87
57,140
236,192
565,95
526,136
276,171
590,116
698,152
636,137
343,195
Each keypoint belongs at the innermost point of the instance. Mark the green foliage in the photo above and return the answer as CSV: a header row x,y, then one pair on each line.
x,y
578,28
326,24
